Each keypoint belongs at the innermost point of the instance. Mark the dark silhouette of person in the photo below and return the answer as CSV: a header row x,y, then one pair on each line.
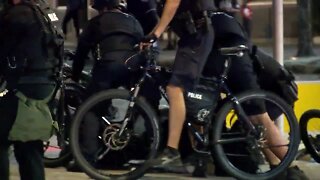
x,y
72,12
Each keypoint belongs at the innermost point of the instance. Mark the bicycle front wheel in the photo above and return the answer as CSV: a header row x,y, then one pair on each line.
x,y
310,132
112,138
236,147
56,149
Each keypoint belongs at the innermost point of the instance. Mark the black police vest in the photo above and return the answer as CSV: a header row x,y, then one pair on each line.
x,y
195,6
52,39
39,53
189,14
117,36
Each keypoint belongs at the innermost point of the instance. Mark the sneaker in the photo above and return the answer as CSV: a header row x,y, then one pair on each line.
x,y
294,173
169,161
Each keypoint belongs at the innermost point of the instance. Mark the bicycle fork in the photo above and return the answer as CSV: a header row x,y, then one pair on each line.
x,y
131,105
243,117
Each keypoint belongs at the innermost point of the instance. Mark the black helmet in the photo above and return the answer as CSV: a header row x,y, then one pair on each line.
x,y
110,4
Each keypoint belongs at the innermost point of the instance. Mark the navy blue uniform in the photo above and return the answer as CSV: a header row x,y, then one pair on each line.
x,y
115,43
195,44
146,13
24,62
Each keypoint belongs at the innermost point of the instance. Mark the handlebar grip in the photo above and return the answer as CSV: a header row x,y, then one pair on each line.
x,y
235,50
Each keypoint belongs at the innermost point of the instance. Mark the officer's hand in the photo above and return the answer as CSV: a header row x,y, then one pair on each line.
x,y
147,41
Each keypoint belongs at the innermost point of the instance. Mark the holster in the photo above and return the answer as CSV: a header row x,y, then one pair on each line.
x,y
189,23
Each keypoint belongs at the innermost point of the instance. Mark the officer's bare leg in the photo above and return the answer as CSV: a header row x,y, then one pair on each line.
x,y
273,137
177,114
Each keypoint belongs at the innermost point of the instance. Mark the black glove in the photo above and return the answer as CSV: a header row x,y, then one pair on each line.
x,y
150,38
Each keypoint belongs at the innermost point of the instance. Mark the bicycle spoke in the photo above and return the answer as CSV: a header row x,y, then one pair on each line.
x,y
248,154
120,134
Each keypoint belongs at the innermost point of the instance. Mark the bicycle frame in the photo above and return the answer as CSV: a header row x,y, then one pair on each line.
x,y
202,138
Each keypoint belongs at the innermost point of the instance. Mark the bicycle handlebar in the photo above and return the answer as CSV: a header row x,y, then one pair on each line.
x,y
149,55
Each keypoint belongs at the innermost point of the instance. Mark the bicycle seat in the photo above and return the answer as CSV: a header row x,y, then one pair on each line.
x,y
234,50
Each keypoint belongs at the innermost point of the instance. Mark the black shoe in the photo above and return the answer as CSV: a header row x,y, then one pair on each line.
x,y
200,169
72,166
294,173
281,176
169,162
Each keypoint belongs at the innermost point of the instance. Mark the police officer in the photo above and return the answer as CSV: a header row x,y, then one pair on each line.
x,y
29,58
109,70
243,77
112,44
72,12
194,27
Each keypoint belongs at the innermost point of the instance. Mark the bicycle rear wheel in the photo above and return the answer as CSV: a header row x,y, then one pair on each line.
x,y
310,132
254,147
105,144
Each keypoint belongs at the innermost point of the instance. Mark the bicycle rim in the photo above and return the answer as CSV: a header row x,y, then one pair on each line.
x,y
243,154
98,147
310,132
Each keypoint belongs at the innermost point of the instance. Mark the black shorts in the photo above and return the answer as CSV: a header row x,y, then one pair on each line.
x,y
241,77
191,57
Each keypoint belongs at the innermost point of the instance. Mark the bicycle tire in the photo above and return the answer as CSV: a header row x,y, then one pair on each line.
x,y
305,137
221,156
64,156
140,104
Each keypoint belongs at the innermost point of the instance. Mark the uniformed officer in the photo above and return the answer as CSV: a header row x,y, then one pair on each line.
x,y
30,54
242,76
189,19
146,13
112,43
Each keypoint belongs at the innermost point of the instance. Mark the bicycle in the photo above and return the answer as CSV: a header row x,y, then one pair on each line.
x,y
121,128
310,135
67,97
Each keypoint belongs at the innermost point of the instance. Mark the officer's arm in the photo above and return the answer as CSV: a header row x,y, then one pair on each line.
x,y
168,13
87,41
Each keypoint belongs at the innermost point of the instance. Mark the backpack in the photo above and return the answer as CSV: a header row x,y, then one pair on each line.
x,y
274,77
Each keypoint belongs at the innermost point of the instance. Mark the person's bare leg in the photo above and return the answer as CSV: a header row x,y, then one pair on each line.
x,y
273,136
177,114
275,154
271,158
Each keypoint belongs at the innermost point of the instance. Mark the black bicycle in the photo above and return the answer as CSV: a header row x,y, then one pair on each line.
x,y
127,128
67,97
310,132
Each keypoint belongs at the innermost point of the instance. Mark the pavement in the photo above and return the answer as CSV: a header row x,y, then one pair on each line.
x,y
310,168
